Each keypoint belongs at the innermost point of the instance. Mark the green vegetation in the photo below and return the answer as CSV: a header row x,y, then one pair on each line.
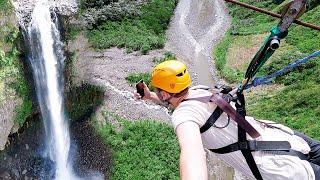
x,y
14,83
296,104
142,149
167,56
245,22
220,56
22,89
306,39
138,27
12,80
136,77
134,36
5,6
72,32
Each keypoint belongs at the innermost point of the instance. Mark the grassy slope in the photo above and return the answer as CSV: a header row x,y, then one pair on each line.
x,y
141,149
297,103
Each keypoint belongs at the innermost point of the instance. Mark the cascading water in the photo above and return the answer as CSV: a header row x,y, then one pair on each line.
x,y
47,61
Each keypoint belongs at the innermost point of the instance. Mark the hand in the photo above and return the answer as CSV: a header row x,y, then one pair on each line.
x,y
147,93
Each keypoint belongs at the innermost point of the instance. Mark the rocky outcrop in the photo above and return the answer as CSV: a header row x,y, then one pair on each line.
x,y
24,8
8,98
7,115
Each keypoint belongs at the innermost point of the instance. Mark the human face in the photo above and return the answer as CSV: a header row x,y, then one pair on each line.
x,y
160,93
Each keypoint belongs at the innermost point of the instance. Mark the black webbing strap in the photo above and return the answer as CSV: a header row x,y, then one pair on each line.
x,y
211,120
242,138
248,155
238,146
255,146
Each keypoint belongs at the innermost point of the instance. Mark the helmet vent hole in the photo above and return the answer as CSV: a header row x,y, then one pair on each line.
x,y
180,74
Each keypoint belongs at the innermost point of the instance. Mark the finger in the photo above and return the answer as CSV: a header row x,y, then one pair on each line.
x,y
144,85
137,96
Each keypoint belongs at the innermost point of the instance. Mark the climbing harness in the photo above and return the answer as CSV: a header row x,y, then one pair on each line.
x,y
267,79
222,101
224,106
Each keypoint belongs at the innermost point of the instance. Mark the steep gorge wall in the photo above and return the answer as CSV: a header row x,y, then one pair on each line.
x,y
15,99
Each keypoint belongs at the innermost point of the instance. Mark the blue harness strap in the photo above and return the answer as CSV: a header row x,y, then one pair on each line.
x,y
267,79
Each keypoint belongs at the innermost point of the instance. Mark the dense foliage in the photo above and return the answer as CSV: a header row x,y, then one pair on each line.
x,y
5,6
141,150
95,3
115,11
133,25
297,103
12,80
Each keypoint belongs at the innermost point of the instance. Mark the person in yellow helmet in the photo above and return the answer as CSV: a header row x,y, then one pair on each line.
x,y
172,81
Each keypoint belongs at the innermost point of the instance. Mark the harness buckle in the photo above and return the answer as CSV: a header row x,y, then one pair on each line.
x,y
243,145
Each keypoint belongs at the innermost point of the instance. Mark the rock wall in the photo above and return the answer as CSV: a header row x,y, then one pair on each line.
x,y
9,100
16,86
24,8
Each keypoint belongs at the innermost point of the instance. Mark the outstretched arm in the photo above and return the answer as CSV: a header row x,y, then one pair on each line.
x,y
192,156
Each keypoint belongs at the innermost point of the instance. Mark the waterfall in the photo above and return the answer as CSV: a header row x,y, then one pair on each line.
x,y
47,61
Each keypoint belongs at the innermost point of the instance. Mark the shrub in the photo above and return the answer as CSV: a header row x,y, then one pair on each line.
x,y
141,149
134,25
95,3
136,77
167,56
129,34
117,11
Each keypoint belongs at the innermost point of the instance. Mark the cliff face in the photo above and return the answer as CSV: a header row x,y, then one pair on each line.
x,y
15,104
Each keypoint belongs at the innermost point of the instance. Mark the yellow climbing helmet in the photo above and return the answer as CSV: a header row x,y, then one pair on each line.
x,y
171,76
